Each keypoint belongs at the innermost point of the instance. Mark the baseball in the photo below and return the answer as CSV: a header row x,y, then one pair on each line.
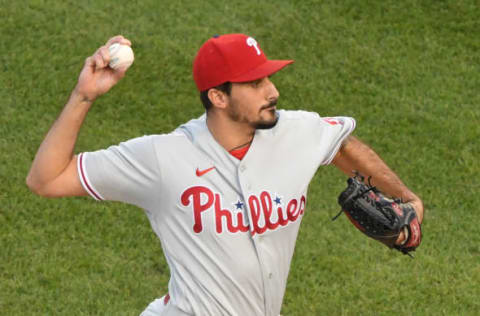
x,y
121,56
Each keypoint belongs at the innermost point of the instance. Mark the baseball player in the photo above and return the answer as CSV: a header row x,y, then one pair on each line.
x,y
226,192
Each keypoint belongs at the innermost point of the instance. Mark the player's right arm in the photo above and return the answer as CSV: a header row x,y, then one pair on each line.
x,y
54,170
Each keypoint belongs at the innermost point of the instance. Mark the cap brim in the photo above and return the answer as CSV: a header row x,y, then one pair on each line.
x,y
266,69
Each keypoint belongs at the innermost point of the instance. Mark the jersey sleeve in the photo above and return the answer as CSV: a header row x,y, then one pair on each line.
x,y
127,172
332,132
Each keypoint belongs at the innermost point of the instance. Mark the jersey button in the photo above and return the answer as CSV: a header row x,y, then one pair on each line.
x,y
243,168
270,275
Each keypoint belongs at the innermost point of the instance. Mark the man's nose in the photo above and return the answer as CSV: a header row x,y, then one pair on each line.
x,y
272,92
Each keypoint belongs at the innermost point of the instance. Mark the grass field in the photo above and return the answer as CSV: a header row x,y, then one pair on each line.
x,y
408,71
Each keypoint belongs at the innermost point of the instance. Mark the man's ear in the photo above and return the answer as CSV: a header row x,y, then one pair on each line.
x,y
218,98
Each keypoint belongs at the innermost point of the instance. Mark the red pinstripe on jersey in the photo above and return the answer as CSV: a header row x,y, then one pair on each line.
x,y
84,179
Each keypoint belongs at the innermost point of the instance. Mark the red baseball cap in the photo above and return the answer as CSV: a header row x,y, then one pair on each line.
x,y
234,58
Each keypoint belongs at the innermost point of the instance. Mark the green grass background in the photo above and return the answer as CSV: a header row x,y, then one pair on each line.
x,y
408,71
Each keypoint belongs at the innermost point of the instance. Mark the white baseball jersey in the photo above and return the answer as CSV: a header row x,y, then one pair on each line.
x,y
227,227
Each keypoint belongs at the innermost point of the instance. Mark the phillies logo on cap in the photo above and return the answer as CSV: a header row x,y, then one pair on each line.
x,y
252,42
232,58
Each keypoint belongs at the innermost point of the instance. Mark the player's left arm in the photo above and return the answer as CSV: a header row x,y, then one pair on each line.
x,y
354,155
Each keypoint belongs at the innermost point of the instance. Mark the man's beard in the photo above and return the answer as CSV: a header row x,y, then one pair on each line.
x,y
237,116
266,125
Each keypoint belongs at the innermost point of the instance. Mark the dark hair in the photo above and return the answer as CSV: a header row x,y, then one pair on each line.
x,y
225,87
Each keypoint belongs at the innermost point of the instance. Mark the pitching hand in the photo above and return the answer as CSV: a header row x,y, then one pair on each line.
x,y
96,78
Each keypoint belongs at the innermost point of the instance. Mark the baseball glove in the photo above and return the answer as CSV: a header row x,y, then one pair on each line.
x,y
378,216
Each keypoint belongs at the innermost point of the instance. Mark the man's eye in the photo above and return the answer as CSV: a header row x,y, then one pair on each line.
x,y
255,83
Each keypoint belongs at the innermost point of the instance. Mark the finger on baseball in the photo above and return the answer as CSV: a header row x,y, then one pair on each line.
x,y
119,39
103,51
99,62
126,41
90,62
